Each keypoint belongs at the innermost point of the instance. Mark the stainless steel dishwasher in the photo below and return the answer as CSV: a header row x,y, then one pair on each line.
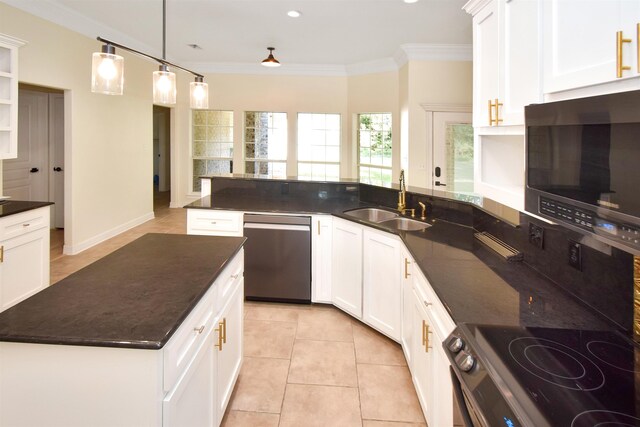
x,y
277,258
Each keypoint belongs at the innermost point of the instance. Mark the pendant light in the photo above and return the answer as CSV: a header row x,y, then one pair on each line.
x,y
199,94
164,81
107,71
270,61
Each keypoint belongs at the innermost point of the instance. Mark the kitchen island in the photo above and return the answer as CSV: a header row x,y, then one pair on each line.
x,y
148,335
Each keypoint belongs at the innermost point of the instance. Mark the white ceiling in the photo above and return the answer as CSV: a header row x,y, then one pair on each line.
x,y
330,33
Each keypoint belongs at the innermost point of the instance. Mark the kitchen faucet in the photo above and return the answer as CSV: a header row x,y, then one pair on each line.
x,y
402,196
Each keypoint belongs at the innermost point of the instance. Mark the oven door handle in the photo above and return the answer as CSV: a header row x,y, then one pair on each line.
x,y
462,405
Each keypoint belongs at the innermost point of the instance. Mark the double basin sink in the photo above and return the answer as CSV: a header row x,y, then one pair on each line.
x,y
387,219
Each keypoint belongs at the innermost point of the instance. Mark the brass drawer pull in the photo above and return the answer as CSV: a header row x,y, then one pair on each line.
x,y
199,330
26,224
219,330
2,253
427,332
406,270
424,335
620,41
490,113
498,104
224,330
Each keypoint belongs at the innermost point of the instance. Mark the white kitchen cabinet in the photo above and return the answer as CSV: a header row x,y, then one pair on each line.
x,y
346,266
382,282
190,402
505,60
321,232
407,304
229,348
580,42
9,96
214,222
24,255
429,365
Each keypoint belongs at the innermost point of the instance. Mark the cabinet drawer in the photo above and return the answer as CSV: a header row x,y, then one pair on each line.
x,y
213,222
24,222
443,323
186,341
229,279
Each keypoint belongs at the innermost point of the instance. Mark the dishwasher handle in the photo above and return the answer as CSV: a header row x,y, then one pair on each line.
x,y
259,226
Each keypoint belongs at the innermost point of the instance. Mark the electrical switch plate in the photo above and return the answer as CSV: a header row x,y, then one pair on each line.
x,y
536,235
575,255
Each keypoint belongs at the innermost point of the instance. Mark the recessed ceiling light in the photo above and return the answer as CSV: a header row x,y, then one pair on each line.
x,y
411,1
294,13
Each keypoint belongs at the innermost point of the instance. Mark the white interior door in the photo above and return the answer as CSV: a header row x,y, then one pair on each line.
x,y
452,152
27,176
56,153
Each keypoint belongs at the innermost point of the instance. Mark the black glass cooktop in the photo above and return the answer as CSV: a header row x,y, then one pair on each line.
x,y
573,378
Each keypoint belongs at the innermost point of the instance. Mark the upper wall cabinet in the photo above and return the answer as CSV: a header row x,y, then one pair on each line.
x,y
9,96
506,60
589,42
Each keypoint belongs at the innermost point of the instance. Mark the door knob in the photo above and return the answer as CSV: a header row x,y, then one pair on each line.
x,y
439,184
57,169
34,170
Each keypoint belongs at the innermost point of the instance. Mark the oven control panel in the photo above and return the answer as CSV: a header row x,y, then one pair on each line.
x,y
587,220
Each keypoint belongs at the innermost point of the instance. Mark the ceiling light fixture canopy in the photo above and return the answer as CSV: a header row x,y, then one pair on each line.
x,y
271,61
107,73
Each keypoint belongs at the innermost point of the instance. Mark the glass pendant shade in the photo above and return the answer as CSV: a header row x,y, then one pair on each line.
x,y
199,94
164,86
107,72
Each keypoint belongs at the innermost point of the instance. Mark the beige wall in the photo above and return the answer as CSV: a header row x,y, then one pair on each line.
x,y
108,139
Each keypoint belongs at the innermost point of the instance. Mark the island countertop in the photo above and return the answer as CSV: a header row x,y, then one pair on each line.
x,y
135,297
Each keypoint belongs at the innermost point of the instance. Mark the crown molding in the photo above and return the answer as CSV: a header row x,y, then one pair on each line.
x,y
437,52
383,65
474,6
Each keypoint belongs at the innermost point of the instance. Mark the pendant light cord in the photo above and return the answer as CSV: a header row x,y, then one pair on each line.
x,y
164,29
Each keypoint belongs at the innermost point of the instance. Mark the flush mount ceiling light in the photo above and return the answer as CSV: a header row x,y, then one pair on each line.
x,y
411,1
294,13
107,73
271,61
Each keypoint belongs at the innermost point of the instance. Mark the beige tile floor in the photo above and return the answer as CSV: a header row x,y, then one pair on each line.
x,y
303,365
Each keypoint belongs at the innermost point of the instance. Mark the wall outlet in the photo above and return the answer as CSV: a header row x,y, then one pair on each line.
x,y
536,235
575,255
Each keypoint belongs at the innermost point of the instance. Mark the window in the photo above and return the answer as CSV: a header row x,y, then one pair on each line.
x,y
374,148
265,143
212,143
318,146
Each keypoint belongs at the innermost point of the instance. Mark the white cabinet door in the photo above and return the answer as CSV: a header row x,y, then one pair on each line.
x,y
580,42
229,349
520,64
190,403
422,363
486,61
382,287
346,266
408,327
321,264
24,266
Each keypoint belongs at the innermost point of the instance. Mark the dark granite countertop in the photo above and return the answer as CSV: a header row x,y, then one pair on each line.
x,y
475,284
12,207
135,297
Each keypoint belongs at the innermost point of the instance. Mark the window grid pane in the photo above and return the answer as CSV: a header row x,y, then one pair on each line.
x,y
265,143
212,143
375,148
319,146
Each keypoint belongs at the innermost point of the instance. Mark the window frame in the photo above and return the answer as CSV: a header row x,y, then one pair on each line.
x,y
194,140
373,165
312,162
285,162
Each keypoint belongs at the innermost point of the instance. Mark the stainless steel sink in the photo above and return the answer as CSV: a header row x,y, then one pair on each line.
x,y
372,214
405,224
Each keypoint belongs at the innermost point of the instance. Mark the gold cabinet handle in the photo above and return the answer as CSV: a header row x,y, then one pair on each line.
x,y
224,330
219,330
406,268
426,336
318,228
490,113
498,120
424,330
1,253
620,41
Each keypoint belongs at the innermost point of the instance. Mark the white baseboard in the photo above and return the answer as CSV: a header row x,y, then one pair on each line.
x,y
76,249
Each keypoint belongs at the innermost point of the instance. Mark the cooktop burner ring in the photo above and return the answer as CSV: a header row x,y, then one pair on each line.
x,y
591,344
523,346
595,418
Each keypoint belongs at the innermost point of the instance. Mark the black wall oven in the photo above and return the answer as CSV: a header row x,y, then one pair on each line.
x,y
583,166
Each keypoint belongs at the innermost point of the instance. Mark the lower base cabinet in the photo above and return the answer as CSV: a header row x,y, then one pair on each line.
x,y
187,383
